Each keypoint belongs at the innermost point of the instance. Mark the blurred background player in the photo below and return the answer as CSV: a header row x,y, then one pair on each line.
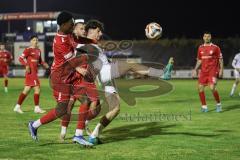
x,y
236,66
209,57
5,59
31,58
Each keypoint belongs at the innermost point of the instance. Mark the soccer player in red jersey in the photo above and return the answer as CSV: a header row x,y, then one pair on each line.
x,y
63,48
5,59
31,58
85,90
211,61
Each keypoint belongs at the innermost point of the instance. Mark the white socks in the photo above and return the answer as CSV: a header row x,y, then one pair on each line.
x,y
204,106
96,131
63,130
37,123
233,89
79,132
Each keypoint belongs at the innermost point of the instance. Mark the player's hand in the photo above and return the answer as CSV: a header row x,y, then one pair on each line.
x,y
194,73
45,65
220,75
28,70
171,60
81,70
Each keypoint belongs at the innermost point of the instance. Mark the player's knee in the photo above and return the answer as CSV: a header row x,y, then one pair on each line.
x,y
212,88
200,88
26,90
61,108
37,91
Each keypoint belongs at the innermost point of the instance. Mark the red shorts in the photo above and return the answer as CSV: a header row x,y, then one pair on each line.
x,y
207,78
88,89
61,89
32,80
3,70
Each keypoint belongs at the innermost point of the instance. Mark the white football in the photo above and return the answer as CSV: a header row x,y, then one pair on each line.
x,y
153,31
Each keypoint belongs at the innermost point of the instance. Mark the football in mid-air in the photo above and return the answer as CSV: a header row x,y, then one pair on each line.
x,y
153,31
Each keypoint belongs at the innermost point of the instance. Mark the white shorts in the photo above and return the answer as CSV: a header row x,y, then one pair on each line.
x,y
110,89
105,73
236,74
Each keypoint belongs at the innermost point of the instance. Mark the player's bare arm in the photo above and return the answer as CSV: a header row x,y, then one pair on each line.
x,y
221,68
198,64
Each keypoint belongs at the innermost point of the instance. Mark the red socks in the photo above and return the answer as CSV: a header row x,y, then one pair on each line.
x,y
5,83
202,98
49,117
216,96
65,120
21,98
82,116
36,99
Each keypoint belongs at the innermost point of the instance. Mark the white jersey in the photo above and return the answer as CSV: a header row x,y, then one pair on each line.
x,y
236,61
105,71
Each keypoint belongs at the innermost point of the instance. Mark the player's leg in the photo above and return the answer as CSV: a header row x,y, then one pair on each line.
x,y
66,119
21,98
5,83
59,111
82,116
37,109
113,102
216,97
123,67
120,68
202,82
202,97
237,78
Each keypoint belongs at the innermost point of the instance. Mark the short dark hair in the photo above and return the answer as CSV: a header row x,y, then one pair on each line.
x,y
1,43
207,32
33,36
64,17
93,24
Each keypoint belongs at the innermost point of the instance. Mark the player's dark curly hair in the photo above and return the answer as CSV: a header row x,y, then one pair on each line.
x,y
93,24
33,36
207,32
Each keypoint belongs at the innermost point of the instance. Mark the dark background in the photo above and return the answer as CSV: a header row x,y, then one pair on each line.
x,y
126,19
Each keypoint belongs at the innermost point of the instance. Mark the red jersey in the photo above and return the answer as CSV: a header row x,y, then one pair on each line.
x,y
63,49
32,58
209,55
5,57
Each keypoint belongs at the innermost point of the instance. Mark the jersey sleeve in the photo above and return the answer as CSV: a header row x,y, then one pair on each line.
x,y
23,57
219,53
199,56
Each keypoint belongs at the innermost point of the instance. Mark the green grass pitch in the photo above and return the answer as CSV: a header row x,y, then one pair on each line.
x,y
194,136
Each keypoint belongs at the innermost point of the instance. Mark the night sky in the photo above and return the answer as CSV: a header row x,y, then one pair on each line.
x,y
126,19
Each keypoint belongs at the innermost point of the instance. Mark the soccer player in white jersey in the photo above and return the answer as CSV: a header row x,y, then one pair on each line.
x,y
236,66
108,71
